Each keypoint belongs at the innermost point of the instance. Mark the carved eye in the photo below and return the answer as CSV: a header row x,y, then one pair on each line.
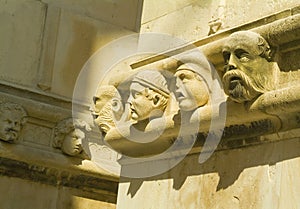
x,y
226,56
181,76
136,94
242,55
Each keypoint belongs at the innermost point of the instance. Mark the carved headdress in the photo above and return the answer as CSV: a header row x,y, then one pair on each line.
x,y
153,80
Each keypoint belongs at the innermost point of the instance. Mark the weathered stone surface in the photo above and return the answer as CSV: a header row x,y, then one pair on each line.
x,y
78,38
151,11
188,22
190,19
21,193
124,14
258,177
71,198
22,25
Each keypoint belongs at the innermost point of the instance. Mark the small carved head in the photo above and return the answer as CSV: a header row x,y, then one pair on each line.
x,y
69,134
107,107
149,95
191,87
249,71
12,118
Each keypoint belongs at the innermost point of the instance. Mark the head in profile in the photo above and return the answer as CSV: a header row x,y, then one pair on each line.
x,y
192,91
12,119
107,108
69,135
249,71
149,95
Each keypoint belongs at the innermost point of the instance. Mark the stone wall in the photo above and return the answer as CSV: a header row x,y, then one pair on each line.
x,y
44,45
192,19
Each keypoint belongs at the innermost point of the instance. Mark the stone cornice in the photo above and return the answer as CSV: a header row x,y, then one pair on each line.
x,y
55,169
272,112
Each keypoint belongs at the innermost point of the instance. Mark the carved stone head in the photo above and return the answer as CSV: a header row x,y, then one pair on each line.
x,y
107,107
249,71
191,88
69,134
12,118
149,95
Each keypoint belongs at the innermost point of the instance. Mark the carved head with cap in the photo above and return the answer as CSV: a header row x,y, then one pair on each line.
x,y
149,95
191,81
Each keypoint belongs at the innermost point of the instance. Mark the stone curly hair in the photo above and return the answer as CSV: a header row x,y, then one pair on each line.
x,y
66,126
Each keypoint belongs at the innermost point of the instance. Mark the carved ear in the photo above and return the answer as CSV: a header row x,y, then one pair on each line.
x,y
156,100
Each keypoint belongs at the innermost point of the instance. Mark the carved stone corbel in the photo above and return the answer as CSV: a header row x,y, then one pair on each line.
x,y
107,107
12,118
69,135
149,95
249,70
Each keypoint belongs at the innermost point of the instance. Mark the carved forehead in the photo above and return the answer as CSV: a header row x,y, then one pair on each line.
x,y
137,87
247,40
185,72
106,93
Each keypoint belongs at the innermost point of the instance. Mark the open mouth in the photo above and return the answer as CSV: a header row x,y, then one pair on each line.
x,y
234,82
132,111
180,96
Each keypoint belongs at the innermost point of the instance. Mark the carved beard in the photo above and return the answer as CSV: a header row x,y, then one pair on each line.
x,y
105,119
240,87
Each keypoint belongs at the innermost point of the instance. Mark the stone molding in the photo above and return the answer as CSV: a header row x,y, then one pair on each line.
x,y
56,170
33,158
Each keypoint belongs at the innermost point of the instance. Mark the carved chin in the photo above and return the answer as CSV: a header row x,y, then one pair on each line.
x,y
238,92
10,136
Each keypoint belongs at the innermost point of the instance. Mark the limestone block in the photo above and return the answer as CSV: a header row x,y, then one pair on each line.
x,y
37,134
188,23
121,13
253,177
152,11
78,38
20,193
237,12
191,21
76,199
22,25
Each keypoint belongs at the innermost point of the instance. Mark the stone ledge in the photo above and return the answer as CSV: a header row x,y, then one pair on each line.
x,y
273,112
56,170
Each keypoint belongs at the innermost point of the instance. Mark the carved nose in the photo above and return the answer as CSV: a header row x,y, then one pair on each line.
x,y
130,98
231,63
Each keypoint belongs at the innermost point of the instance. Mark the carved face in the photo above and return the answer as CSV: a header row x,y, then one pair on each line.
x,y
247,73
107,108
10,126
105,120
72,142
143,103
191,90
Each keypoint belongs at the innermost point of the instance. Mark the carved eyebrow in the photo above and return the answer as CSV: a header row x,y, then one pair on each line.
x,y
240,52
